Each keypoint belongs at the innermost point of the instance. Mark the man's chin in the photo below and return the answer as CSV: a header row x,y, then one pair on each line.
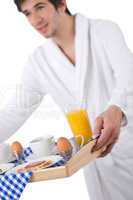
x,y
46,35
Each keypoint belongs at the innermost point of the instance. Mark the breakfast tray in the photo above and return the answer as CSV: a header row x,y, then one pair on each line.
x,y
79,160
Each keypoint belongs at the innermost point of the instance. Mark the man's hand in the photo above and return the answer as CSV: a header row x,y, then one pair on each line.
x,y
108,126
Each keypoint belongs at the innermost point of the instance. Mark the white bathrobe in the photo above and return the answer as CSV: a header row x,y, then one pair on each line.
x,y
102,76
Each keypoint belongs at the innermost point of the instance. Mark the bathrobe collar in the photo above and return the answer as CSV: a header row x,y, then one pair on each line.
x,y
82,61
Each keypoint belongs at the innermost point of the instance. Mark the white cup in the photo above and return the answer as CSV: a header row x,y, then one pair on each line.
x,y
5,153
42,146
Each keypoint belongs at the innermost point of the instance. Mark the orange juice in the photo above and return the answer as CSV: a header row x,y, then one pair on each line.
x,y
80,125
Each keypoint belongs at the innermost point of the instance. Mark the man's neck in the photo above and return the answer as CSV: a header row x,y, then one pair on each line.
x,y
66,33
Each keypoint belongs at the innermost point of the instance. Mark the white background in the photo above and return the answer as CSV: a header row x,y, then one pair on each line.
x,y
17,41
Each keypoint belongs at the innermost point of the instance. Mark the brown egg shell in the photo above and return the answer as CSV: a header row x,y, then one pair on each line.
x,y
64,145
16,147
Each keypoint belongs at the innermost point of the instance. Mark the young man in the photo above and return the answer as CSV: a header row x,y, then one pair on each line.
x,y
83,63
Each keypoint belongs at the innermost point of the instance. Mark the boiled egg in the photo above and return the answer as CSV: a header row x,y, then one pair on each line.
x,y
63,145
16,148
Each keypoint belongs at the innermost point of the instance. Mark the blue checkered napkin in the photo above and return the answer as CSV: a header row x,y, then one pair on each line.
x,y
27,152
12,185
59,163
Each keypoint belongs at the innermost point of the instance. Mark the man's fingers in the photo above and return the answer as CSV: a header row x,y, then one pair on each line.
x,y
107,150
108,126
98,126
102,140
107,145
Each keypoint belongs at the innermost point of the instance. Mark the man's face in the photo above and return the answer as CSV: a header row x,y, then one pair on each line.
x,y
42,15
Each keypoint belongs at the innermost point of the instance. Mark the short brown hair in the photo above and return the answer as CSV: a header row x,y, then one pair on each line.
x,y
55,3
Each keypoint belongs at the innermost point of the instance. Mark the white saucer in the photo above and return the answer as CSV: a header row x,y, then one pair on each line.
x,y
53,158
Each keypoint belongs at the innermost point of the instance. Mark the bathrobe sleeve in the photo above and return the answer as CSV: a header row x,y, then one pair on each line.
x,y
26,98
121,59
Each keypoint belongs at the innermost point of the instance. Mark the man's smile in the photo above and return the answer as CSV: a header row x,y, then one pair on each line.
x,y
42,28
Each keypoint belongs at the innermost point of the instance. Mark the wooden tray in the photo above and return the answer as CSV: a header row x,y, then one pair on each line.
x,y
79,160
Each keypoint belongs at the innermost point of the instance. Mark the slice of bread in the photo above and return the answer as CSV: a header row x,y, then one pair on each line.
x,y
34,166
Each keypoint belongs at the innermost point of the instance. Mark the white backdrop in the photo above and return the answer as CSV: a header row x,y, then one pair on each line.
x,y
17,41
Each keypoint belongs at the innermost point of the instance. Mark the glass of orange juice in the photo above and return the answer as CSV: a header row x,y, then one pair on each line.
x,y
80,125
